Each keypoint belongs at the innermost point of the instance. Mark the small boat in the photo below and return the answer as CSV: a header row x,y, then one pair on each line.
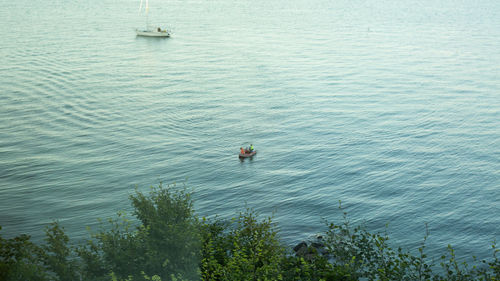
x,y
246,155
153,33
148,31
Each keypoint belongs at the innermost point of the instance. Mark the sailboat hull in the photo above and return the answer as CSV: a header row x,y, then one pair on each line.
x,y
152,33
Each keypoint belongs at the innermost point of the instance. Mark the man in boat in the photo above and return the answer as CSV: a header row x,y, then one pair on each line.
x,y
159,29
242,151
251,148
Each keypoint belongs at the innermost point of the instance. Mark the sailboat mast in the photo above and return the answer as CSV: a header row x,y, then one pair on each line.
x,y
146,11
147,14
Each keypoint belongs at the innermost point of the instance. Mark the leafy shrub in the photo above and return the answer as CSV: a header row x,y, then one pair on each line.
x,y
20,260
370,257
168,242
243,249
56,254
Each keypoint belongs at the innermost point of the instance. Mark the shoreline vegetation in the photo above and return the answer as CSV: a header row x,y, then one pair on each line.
x,y
168,241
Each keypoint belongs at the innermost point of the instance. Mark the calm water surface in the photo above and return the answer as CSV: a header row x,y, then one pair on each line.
x,y
392,107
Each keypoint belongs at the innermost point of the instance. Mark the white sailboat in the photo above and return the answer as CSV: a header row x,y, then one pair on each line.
x,y
150,31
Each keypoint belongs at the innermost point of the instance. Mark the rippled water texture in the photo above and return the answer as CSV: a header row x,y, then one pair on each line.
x,y
392,107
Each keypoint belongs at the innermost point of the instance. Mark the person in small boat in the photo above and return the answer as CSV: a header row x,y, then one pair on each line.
x,y
242,151
251,148
159,29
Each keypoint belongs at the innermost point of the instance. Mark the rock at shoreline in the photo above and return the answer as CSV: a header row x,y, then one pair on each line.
x,y
300,246
309,252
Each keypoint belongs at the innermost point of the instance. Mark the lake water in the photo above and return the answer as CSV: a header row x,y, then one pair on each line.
x,y
392,107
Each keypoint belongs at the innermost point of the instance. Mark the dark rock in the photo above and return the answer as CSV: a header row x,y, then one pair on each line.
x,y
302,251
320,247
300,246
310,256
317,245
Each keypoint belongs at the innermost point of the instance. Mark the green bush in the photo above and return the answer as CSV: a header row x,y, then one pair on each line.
x,y
56,254
243,249
20,259
168,242
370,257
